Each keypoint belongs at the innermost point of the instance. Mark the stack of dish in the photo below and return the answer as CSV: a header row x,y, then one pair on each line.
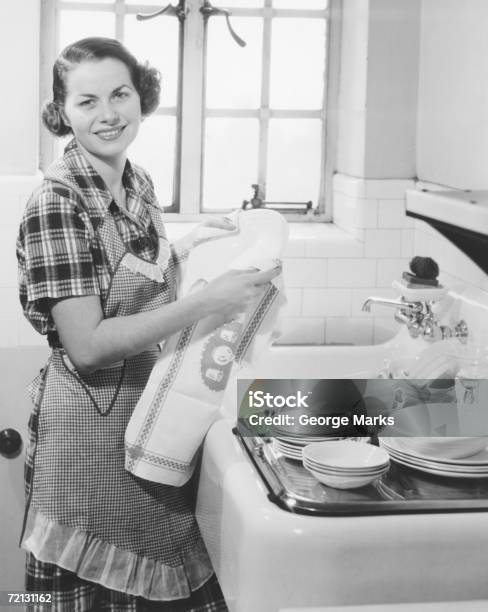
x,y
345,464
439,457
291,446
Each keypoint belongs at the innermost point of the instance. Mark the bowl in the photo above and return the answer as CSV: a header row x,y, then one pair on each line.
x,y
345,482
346,454
443,448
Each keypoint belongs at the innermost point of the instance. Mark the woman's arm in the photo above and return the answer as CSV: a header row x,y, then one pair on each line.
x,y
93,342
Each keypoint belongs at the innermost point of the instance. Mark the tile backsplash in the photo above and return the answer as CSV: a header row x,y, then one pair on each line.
x,y
329,269
369,246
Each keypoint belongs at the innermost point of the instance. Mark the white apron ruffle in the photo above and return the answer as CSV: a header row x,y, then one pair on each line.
x,y
114,568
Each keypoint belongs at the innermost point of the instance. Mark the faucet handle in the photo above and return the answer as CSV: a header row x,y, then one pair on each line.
x,y
461,331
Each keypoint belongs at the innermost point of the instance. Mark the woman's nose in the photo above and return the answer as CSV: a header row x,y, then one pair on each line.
x,y
108,113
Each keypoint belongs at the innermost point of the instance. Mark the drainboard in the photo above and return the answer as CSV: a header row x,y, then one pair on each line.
x,y
400,490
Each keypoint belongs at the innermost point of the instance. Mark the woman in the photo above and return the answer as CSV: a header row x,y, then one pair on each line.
x,y
97,276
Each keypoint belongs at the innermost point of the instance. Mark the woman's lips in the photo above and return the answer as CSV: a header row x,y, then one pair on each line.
x,y
111,134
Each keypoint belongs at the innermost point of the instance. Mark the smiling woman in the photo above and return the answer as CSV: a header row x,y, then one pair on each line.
x,y
97,276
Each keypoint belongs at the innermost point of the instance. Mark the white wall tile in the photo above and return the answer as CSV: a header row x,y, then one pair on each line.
x,y
357,234
366,214
340,244
349,185
305,272
383,243
293,307
355,212
326,302
391,214
351,273
348,330
295,248
390,189
296,330
389,270
408,242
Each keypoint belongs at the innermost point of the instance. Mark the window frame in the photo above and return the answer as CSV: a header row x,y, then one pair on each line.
x,y
189,167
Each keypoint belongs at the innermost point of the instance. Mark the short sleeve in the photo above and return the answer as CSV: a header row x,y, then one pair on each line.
x,y
54,255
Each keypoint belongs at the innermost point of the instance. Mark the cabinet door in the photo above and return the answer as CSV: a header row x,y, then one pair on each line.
x,y
18,366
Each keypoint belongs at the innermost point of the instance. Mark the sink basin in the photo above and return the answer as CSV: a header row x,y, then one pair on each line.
x,y
268,559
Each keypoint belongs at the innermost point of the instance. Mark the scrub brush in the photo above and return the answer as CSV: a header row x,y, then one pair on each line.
x,y
421,284
424,271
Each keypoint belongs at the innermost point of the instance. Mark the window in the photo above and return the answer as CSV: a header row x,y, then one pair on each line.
x,y
231,116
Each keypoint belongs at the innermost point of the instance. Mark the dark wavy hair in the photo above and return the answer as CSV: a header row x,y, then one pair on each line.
x,y
146,80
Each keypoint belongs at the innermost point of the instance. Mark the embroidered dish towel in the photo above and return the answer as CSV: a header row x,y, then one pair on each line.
x,y
183,395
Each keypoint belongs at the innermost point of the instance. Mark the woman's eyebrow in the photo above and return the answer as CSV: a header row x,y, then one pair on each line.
x,y
121,87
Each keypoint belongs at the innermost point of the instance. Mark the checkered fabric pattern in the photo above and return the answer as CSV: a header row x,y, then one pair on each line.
x,y
59,251
75,475
72,594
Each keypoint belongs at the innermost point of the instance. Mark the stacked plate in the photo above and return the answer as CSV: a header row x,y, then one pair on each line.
x,y
474,466
291,447
345,464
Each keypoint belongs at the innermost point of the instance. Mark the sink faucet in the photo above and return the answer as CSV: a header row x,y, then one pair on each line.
x,y
419,319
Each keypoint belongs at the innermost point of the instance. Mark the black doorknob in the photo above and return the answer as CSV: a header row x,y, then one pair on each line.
x,y
10,442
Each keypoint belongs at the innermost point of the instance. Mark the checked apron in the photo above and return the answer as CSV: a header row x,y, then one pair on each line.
x,y
85,512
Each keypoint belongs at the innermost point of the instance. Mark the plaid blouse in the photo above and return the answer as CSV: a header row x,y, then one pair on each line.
x,y
58,252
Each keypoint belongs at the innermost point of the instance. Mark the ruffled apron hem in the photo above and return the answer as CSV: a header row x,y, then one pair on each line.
x,y
114,568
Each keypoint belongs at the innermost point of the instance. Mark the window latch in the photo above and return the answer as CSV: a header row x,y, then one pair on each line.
x,y
176,11
207,10
258,202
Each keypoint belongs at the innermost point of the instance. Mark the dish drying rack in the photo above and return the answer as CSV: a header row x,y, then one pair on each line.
x,y
401,490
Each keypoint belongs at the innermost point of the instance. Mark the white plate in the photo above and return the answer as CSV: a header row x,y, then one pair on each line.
x,y
472,469
441,448
301,442
479,459
436,471
288,453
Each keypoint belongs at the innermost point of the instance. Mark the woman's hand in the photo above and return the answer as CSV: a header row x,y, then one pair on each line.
x,y
232,292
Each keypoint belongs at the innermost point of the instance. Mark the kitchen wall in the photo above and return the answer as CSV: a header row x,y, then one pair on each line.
x,y
19,126
452,128
452,134
399,61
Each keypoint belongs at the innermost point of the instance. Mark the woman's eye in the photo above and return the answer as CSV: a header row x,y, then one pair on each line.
x,y
87,103
121,94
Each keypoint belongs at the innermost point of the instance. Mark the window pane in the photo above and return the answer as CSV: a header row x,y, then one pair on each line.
x,y
80,24
300,4
297,63
156,41
234,72
231,154
154,150
149,3
294,160
243,4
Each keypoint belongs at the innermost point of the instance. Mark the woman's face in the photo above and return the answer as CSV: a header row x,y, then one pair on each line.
x,y
102,107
